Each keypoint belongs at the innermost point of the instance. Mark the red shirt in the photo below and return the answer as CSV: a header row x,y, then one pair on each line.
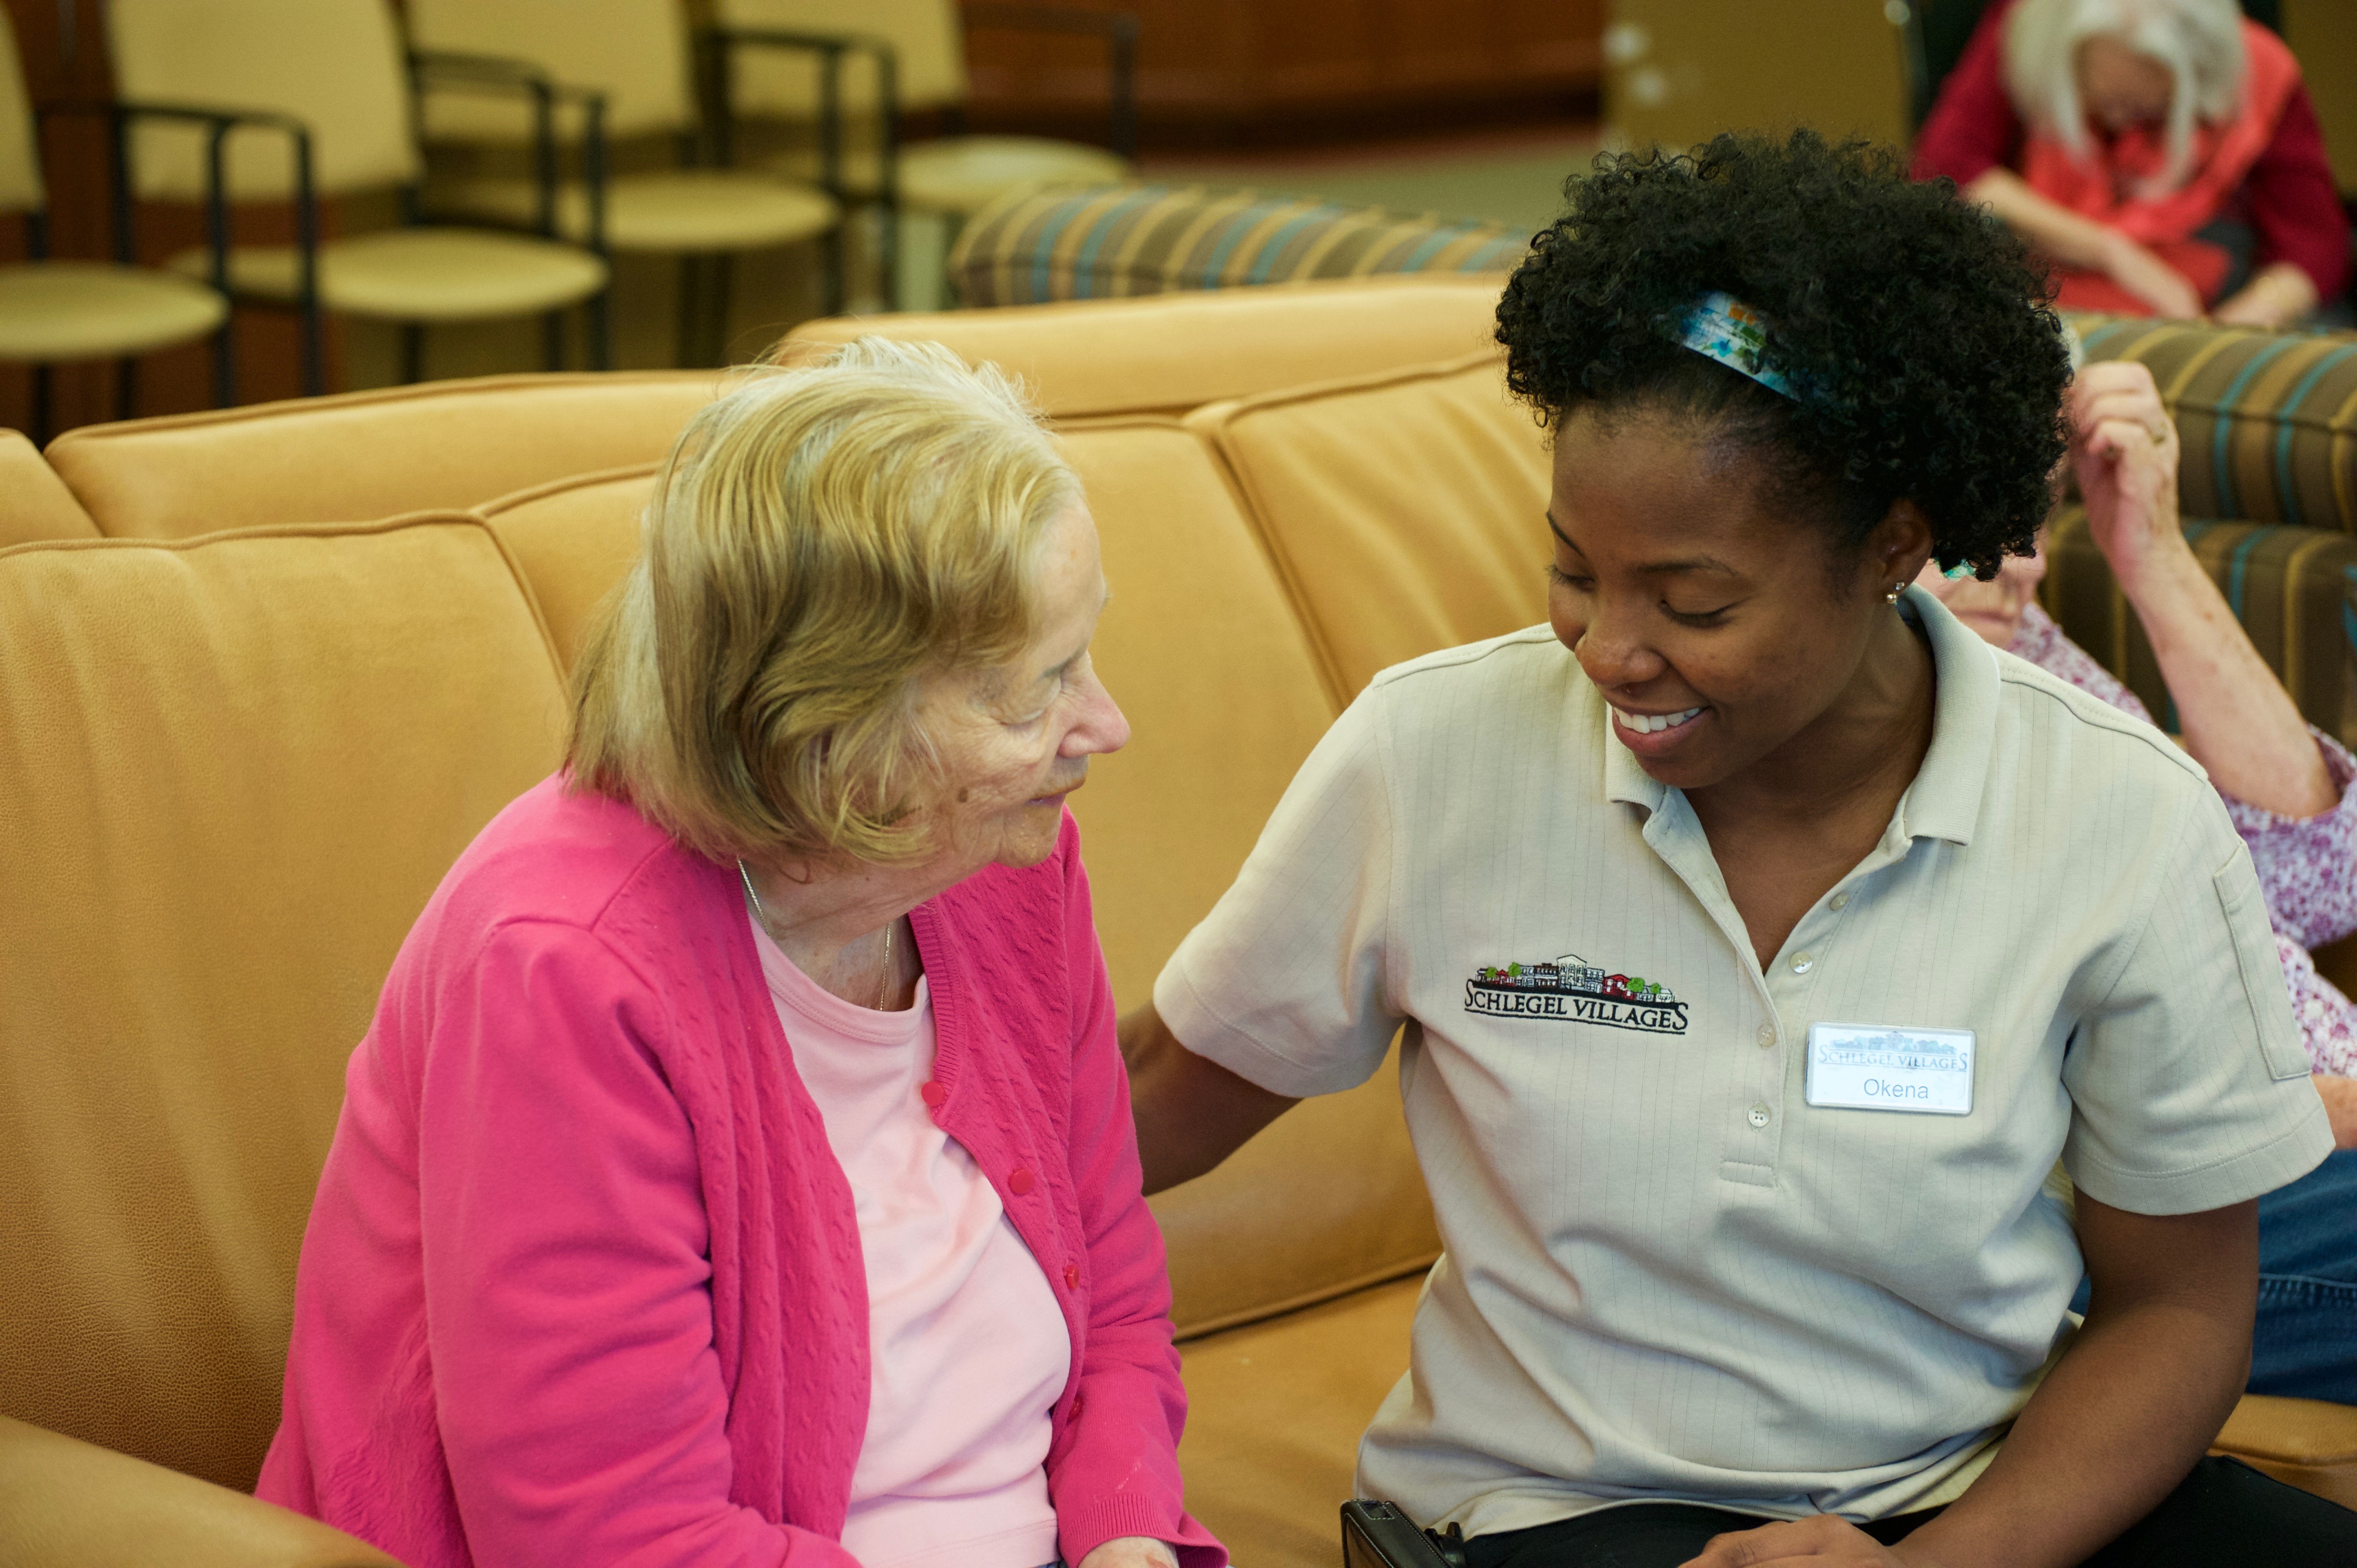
x,y
2289,200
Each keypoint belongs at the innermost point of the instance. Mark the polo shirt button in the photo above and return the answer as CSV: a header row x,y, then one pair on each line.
x,y
1840,902
933,1094
1802,963
1018,1181
1758,1116
1767,1035
1072,1276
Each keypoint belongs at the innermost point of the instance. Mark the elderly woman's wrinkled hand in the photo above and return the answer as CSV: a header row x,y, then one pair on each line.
x,y
1822,1540
1131,1551
2124,447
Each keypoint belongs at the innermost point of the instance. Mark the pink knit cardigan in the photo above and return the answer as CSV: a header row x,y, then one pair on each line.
x,y
583,1284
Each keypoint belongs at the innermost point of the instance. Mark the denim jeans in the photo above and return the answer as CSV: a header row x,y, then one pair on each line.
x,y
2305,1343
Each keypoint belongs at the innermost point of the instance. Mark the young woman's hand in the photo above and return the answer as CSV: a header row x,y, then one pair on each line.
x,y
2150,279
1131,1551
2125,448
1822,1540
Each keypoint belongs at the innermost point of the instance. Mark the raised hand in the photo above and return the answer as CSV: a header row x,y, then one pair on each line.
x,y
2124,447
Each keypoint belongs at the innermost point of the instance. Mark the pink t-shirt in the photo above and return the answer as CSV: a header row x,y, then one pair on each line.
x,y
967,1345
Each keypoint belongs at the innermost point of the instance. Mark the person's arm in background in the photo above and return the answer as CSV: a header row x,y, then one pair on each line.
x,y
2286,787
2080,242
2301,232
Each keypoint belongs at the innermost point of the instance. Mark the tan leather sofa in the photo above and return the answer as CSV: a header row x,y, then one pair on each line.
x,y
236,763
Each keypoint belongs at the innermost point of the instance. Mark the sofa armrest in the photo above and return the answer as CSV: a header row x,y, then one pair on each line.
x,y
68,1504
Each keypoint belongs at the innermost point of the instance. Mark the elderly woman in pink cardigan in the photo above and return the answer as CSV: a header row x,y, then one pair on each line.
x,y
739,1169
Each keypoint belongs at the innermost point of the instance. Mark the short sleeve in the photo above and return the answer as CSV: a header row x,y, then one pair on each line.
x,y
2188,1080
1282,984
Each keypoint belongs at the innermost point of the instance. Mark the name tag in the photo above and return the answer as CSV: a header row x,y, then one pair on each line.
x,y
1884,1067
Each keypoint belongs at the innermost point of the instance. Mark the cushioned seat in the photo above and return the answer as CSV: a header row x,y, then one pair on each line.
x,y
2306,1443
52,311
34,502
574,538
419,275
962,175
671,210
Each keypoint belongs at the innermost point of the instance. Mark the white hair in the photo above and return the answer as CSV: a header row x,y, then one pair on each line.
x,y
2200,42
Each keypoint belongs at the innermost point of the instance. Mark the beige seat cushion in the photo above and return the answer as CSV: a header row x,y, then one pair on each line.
x,y
673,212
962,174
419,275
34,502
2308,1444
51,311
1224,701
1167,353
236,768
1422,491
363,456
1274,1416
573,540
67,1504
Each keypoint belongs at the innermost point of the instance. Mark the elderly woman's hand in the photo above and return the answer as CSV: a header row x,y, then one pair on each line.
x,y
1132,1551
2144,274
2124,446
1822,1540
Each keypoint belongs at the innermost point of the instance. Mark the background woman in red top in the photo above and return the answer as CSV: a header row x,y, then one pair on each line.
x,y
2140,145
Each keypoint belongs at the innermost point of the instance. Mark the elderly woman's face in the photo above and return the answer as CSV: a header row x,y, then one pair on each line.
x,y
1993,608
1016,739
1710,622
2119,87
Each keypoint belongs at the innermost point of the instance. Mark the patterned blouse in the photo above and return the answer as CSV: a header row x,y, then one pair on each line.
x,y
2307,865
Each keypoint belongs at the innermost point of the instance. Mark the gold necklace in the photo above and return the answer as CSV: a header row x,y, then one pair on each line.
x,y
761,913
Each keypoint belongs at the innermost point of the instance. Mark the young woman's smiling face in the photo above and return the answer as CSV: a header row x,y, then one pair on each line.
x,y
1719,628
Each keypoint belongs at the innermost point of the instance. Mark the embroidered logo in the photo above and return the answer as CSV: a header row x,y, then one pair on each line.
x,y
1577,992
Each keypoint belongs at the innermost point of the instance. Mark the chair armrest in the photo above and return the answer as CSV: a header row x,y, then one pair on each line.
x,y
68,1504
1118,29
718,49
449,71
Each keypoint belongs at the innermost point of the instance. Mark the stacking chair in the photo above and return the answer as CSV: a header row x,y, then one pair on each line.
x,y
53,311
911,59
303,99
636,53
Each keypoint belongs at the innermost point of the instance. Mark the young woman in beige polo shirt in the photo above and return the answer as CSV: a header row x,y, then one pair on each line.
x,y
1768,946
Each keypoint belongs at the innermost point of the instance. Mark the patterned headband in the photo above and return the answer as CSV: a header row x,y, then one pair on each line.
x,y
1721,327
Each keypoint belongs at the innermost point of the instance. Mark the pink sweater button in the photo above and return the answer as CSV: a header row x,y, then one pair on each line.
x,y
933,1094
1072,1276
1018,1181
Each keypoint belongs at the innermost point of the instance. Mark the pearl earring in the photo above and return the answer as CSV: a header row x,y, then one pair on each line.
x,y
1892,597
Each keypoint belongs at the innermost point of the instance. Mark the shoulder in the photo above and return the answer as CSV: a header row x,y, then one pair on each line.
x,y
560,857
2102,748
1480,683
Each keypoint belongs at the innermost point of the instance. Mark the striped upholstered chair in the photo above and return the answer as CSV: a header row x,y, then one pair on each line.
x,y
2268,486
1099,242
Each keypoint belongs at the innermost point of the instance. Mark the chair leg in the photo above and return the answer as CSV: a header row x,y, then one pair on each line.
x,y
830,262
687,333
225,363
724,278
41,406
413,352
598,327
551,340
126,388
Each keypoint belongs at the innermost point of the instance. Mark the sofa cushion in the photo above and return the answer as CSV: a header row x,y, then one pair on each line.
x,y
574,538
1421,492
365,456
1274,1415
1224,700
34,502
2308,1444
2268,420
1170,353
1093,240
2294,589
236,768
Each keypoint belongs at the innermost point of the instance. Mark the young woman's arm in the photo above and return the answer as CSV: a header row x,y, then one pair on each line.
x,y
2238,721
1191,1112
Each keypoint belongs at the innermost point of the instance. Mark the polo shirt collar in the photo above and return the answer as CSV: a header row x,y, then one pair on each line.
x,y
1944,801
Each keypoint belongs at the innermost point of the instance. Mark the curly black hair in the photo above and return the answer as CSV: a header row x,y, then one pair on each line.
x,y
1916,328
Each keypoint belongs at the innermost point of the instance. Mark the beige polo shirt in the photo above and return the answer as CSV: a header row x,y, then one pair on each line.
x,y
1668,1276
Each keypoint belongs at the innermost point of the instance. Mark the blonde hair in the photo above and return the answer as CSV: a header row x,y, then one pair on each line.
x,y
2200,42
819,540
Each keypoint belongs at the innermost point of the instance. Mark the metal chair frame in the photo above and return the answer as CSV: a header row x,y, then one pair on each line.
x,y
126,246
